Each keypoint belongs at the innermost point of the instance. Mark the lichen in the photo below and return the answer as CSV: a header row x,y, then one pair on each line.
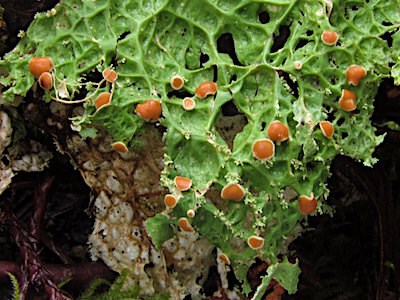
x,y
269,63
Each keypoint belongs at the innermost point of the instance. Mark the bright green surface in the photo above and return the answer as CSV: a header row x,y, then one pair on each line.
x,y
150,41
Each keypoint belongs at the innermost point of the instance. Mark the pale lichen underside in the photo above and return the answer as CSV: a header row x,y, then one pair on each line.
x,y
293,77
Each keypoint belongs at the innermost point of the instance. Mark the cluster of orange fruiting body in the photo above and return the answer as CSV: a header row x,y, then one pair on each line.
x,y
327,128
177,82
264,149
170,201
41,68
329,37
233,191
307,204
354,74
205,89
150,110
104,98
185,225
255,242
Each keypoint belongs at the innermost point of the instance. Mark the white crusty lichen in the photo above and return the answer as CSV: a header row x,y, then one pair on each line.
x,y
20,155
30,156
6,175
128,191
6,172
5,131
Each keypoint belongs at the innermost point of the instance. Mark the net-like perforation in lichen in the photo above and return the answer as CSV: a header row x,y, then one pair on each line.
x,y
277,68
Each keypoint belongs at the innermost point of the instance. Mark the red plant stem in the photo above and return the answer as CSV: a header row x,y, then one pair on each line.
x,y
56,249
37,273
81,274
40,198
33,270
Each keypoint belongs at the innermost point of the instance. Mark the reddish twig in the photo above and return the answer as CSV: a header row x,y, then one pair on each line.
x,y
33,271
40,199
81,274
49,243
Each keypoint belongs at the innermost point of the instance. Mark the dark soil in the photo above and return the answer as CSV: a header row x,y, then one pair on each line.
x,y
353,255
